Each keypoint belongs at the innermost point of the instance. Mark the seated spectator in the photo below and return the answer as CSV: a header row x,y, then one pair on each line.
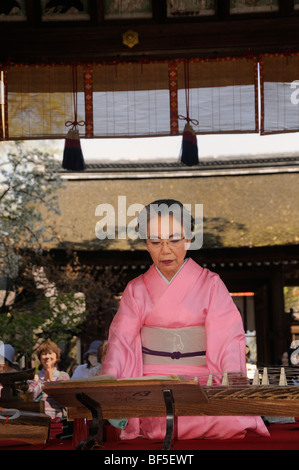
x,y
102,349
7,364
285,359
91,357
7,356
49,357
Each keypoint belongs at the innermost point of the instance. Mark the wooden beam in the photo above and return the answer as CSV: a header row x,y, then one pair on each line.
x,y
51,43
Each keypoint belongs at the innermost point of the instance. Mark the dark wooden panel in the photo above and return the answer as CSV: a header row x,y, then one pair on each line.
x,y
90,43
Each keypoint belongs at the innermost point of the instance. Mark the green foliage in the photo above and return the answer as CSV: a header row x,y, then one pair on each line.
x,y
63,316
29,183
28,180
58,318
17,329
291,298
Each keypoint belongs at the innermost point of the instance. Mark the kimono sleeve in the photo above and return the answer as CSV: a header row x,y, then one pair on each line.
x,y
225,338
124,356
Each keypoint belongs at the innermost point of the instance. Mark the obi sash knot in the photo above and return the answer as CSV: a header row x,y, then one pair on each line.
x,y
185,346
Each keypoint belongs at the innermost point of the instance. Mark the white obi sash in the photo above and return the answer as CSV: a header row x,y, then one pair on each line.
x,y
181,346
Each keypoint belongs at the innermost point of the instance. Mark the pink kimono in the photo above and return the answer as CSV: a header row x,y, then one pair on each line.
x,y
195,297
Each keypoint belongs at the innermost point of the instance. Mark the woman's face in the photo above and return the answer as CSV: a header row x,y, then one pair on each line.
x,y
48,360
93,359
166,244
285,359
6,367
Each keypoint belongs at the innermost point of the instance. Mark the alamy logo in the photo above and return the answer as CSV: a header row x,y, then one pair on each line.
x,y
127,222
295,94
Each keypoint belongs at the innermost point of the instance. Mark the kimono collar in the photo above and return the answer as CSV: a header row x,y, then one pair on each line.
x,y
165,279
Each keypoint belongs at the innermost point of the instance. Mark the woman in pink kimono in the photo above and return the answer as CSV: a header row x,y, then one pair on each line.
x,y
177,318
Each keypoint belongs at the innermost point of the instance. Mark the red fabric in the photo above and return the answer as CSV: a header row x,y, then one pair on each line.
x,y
282,437
187,135
72,143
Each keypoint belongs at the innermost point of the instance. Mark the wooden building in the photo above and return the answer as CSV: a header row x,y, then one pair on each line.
x,y
242,59
250,231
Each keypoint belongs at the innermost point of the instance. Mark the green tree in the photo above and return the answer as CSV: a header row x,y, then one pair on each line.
x,y
28,180
29,184
58,318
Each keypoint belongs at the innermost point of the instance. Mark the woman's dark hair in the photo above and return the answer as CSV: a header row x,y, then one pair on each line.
x,y
165,207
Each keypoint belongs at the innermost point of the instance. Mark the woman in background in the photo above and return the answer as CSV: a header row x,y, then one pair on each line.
x,y
49,357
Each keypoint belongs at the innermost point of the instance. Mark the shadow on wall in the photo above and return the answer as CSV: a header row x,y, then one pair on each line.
x,y
217,232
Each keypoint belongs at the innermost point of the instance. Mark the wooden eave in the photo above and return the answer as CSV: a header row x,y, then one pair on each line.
x,y
96,40
245,165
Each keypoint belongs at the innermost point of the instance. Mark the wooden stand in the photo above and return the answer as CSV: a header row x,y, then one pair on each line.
x,y
21,420
28,427
121,399
100,400
8,382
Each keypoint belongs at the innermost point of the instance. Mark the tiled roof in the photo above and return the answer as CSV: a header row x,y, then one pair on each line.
x,y
254,208
248,164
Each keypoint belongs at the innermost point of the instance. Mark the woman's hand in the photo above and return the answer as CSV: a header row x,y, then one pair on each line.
x,y
49,374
